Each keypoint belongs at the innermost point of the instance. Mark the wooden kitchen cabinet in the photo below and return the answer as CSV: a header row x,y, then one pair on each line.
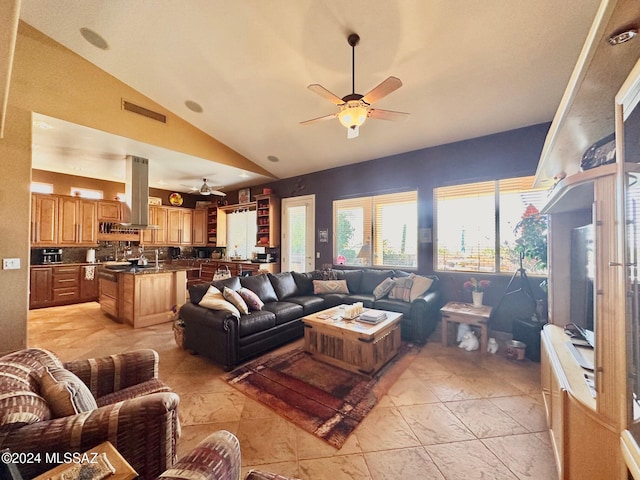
x,y
109,211
199,227
40,287
44,220
88,283
62,285
179,225
77,221
157,218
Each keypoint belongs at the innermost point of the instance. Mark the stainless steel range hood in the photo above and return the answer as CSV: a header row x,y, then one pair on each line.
x,y
137,192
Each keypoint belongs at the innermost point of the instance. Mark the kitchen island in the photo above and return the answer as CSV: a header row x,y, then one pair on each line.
x,y
142,296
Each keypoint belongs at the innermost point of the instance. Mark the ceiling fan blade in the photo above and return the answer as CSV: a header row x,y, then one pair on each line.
x,y
324,93
389,85
319,119
218,193
353,132
387,114
190,187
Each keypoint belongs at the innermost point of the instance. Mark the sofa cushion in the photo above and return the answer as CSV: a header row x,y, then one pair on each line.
x,y
65,393
420,286
284,311
251,299
304,281
284,284
323,287
214,300
372,278
366,299
197,291
310,303
235,298
232,282
354,280
256,321
333,299
261,286
383,288
402,289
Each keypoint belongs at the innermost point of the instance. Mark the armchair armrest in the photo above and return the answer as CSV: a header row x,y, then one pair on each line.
x,y
215,457
425,313
115,372
134,427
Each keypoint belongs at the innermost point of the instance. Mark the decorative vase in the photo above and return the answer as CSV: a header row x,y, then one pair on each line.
x,y
477,298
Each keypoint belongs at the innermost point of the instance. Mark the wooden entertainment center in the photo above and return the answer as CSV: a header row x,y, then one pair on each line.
x,y
595,429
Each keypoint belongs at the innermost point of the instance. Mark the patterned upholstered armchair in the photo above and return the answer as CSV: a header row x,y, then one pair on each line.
x,y
48,406
217,457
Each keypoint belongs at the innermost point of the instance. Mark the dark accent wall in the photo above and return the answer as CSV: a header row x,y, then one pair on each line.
x,y
503,155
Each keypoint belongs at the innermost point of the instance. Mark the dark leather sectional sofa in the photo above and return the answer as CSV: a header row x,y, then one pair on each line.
x,y
288,297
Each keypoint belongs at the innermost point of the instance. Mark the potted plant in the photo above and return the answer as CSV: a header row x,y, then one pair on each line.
x,y
532,243
477,288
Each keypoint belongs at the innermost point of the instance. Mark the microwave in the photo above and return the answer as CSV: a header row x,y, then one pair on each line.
x,y
264,257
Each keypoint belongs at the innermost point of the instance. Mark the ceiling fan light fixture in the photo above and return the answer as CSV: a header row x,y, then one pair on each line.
x,y
353,114
205,189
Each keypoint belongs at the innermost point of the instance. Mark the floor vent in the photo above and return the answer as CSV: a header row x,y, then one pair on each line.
x,y
145,112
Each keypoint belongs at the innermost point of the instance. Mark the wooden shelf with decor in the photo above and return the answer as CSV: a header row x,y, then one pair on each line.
x,y
587,420
268,219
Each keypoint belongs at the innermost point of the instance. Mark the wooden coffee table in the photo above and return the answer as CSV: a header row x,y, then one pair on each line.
x,y
350,344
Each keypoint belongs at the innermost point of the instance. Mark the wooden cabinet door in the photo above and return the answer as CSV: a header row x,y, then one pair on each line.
x,y
68,220
40,287
147,235
186,222
88,283
199,237
78,221
88,226
109,211
174,224
161,234
44,220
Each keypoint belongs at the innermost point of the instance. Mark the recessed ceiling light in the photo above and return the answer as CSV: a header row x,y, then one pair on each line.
x,y
94,39
244,175
623,36
273,158
193,106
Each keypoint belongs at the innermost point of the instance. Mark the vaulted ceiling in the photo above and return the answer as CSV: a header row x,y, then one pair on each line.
x,y
468,68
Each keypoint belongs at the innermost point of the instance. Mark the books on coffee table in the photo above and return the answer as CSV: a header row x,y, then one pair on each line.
x,y
372,316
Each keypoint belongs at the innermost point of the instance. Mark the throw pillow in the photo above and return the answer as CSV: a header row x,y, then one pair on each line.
x,y
420,286
235,298
252,300
401,289
65,393
383,288
321,287
214,300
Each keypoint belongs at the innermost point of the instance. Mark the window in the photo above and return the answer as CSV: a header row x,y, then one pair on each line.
x,y
39,187
242,228
86,193
478,226
381,230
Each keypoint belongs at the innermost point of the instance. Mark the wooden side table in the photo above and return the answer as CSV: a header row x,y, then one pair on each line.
x,y
459,312
123,471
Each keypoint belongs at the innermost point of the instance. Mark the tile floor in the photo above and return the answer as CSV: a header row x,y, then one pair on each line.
x,y
452,415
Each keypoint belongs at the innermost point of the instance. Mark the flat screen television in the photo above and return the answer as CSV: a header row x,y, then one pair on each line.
x,y
582,277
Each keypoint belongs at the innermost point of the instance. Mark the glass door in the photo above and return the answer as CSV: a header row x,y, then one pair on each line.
x,y
298,238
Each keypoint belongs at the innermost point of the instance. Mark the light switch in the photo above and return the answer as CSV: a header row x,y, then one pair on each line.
x,y
10,263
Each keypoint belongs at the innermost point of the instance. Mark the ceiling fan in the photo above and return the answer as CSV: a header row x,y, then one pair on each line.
x,y
205,189
354,107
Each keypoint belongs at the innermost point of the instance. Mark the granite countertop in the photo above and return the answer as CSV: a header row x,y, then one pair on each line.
x,y
147,269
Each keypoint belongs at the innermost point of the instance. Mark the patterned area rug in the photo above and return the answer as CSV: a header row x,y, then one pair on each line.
x,y
322,399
